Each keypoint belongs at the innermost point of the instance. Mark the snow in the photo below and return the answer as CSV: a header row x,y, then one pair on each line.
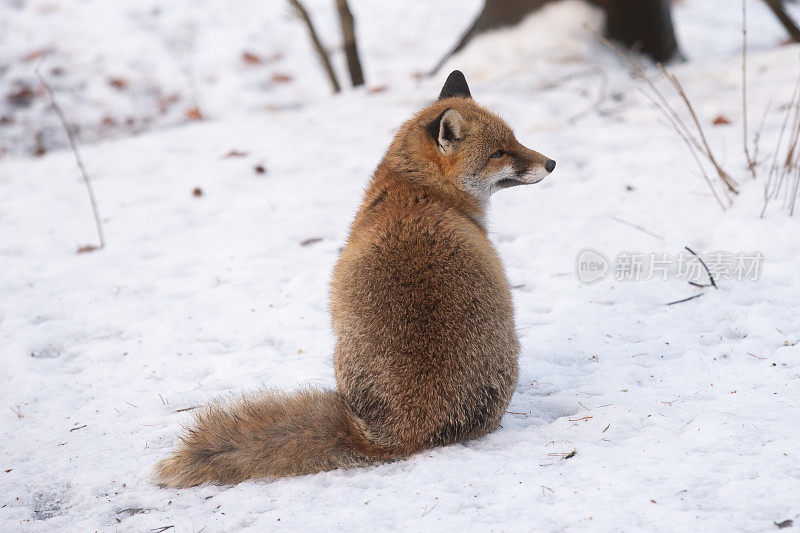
x,y
694,408
132,66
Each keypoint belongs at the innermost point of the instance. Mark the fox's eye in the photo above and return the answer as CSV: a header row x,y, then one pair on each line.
x,y
497,155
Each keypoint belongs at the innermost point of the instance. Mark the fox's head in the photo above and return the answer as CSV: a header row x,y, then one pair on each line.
x,y
472,149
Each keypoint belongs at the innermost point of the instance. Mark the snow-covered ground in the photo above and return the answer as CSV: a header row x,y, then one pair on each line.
x,y
683,417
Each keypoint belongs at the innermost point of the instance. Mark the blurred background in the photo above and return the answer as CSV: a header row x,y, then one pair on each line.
x,y
130,66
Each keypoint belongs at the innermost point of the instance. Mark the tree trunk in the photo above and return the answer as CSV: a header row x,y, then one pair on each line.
x,y
643,25
350,49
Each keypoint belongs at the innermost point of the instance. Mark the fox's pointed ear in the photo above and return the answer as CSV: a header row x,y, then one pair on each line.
x,y
455,85
447,128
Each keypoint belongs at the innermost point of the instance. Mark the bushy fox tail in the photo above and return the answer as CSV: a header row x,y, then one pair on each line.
x,y
270,435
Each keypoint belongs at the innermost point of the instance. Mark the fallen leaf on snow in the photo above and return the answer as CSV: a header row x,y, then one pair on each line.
x,y
280,77
252,58
119,84
193,114
721,120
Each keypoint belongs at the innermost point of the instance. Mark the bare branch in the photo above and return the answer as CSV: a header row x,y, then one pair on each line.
x,y
710,277
777,7
321,52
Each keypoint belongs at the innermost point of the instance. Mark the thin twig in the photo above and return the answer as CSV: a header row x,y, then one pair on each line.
x,y
74,146
661,103
757,134
555,83
694,146
723,175
771,191
791,148
791,161
793,197
691,148
686,299
637,226
432,508
710,277
321,52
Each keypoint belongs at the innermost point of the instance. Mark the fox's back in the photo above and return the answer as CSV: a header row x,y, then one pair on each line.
x,y
426,350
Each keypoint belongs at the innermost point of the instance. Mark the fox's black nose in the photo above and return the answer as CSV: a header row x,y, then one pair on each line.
x,y
550,165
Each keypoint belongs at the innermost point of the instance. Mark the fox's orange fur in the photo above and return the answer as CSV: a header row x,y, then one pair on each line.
x,y
426,350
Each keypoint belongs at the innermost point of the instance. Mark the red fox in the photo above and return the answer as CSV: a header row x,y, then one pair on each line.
x,y
426,350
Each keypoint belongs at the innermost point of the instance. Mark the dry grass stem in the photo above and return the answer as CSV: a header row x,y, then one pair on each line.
x,y
786,161
675,122
751,161
74,146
